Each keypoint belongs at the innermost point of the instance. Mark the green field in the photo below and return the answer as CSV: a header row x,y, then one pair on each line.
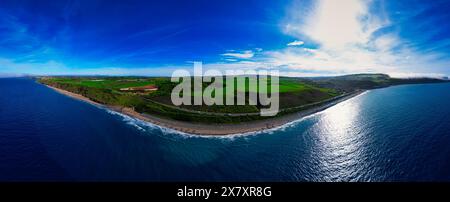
x,y
106,90
294,93
106,83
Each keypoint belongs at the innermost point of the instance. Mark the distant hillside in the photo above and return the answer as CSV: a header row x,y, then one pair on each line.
x,y
353,82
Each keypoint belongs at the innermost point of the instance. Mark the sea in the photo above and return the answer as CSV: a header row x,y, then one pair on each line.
x,y
399,133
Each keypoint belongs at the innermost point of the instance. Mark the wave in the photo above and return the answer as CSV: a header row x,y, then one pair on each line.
x,y
144,126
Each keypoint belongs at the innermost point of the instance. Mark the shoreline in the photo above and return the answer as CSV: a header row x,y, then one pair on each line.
x,y
213,129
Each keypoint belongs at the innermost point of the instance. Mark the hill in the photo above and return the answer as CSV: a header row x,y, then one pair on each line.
x,y
295,94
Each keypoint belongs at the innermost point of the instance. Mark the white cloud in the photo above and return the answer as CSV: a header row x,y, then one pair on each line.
x,y
241,55
9,66
296,43
348,38
345,35
336,23
231,59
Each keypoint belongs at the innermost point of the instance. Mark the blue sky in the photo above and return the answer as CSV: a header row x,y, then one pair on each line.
x,y
300,38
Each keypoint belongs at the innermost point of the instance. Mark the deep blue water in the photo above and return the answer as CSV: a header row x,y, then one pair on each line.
x,y
399,133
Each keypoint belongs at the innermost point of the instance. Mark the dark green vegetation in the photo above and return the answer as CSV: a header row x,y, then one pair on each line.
x,y
296,94
353,82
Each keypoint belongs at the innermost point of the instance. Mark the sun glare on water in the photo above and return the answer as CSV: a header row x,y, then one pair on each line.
x,y
340,147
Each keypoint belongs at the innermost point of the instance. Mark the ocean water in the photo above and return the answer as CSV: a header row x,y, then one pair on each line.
x,y
399,133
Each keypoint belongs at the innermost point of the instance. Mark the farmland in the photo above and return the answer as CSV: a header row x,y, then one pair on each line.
x,y
293,94
106,90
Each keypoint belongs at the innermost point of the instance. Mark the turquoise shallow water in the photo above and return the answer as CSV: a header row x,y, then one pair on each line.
x,y
398,133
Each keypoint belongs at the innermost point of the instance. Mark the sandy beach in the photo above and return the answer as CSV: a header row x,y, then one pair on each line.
x,y
214,129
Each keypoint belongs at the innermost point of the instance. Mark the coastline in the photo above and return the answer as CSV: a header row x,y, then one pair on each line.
x,y
213,129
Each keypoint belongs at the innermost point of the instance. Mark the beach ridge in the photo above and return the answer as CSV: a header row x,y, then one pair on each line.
x,y
213,129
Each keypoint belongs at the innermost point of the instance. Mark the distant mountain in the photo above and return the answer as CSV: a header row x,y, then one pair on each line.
x,y
368,81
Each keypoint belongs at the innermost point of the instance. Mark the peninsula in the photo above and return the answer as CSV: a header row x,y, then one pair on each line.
x,y
148,99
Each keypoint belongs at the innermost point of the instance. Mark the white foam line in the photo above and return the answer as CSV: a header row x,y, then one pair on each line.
x,y
139,123
294,122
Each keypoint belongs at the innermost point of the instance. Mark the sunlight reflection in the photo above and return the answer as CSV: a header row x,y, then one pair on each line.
x,y
338,122
339,146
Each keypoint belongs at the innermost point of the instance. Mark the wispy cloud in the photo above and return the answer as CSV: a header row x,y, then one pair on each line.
x,y
241,55
296,43
326,37
343,31
258,49
9,66
348,36
351,37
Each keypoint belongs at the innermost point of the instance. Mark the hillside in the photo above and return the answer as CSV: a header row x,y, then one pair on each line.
x,y
295,94
353,82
